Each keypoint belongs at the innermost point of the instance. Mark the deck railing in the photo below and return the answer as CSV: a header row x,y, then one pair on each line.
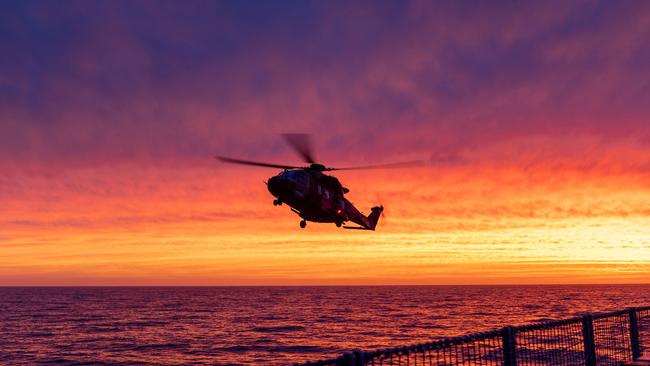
x,y
591,340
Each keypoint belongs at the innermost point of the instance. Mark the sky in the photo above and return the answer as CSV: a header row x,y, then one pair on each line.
x,y
532,119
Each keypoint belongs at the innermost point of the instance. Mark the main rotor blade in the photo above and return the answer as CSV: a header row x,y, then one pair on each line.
x,y
301,143
254,163
405,164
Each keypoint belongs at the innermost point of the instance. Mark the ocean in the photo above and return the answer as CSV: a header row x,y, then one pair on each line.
x,y
268,325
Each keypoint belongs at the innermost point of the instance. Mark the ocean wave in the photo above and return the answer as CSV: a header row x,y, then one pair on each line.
x,y
282,328
171,346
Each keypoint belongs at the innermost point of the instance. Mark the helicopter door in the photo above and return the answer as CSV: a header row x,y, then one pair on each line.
x,y
301,180
325,199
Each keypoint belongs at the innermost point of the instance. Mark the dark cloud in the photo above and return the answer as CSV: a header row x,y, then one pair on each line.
x,y
92,82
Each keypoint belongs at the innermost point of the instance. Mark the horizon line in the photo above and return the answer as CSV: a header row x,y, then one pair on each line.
x,y
333,285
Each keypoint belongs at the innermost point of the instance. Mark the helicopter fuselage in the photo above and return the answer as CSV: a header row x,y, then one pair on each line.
x,y
318,197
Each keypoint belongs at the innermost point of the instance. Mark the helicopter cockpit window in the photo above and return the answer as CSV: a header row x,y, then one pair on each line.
x,y
299,177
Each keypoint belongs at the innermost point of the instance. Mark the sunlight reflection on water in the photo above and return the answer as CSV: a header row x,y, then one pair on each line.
x,y
270,325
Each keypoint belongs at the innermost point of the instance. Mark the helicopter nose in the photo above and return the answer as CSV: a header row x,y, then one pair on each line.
x,y
276,185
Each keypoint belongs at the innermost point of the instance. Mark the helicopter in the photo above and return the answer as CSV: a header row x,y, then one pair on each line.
x,y
312,194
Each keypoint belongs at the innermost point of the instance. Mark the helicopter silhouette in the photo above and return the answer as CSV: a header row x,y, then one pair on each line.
x,y
312,194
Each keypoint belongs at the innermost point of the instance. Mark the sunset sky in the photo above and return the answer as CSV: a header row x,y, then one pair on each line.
x,y
533,119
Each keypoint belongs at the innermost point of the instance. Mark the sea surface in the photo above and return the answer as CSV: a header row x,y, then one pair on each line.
x,y
268,325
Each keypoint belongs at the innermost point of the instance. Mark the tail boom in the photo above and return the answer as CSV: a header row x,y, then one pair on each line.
x,y
367,222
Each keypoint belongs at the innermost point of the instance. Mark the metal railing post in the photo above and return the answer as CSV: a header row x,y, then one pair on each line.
x,y
509,346
346,360
634,334
588,339
359,358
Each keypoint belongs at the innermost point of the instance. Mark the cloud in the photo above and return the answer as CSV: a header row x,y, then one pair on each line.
x,y
529,115
95,82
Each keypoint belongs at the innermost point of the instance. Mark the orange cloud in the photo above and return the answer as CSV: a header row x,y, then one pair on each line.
x,y
532,119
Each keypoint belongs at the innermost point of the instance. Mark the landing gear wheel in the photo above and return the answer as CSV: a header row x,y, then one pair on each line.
x,y
338,224
277,202
303,223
